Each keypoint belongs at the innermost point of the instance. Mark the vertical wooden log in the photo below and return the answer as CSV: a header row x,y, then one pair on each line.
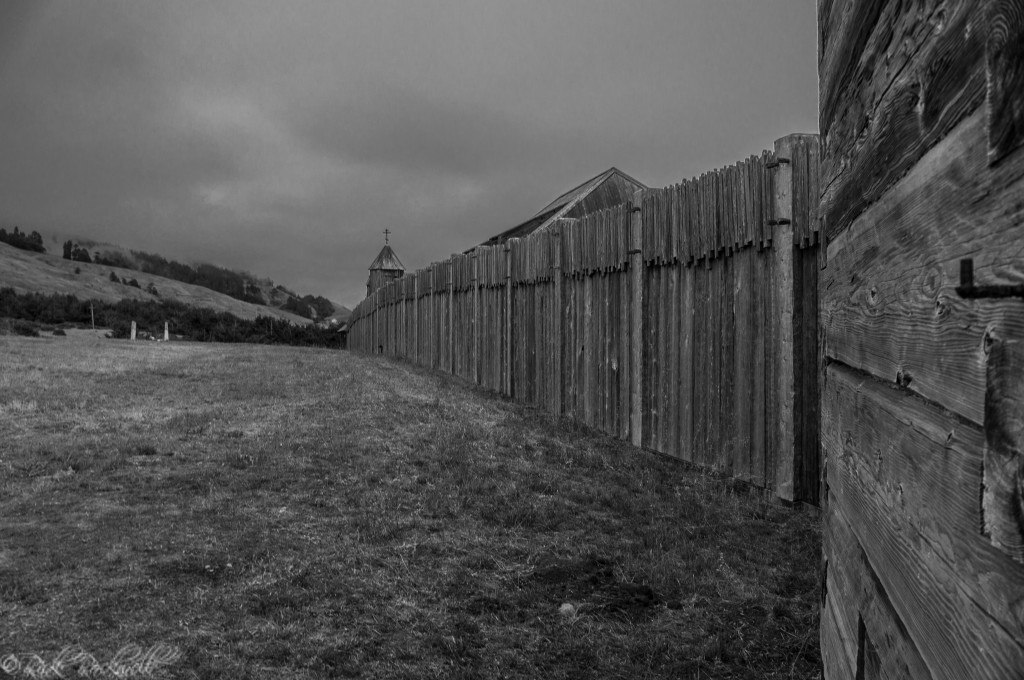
x,y
451,314
476,317
784,378
742,370
557,321
636,317
416,317
506,380
686,370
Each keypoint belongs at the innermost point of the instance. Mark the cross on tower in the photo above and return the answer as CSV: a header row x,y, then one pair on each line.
x,y
386,232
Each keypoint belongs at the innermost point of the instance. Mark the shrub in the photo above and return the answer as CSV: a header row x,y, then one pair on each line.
x,y
26,328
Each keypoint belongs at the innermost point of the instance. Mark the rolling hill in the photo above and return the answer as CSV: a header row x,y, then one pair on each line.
x,y
46,273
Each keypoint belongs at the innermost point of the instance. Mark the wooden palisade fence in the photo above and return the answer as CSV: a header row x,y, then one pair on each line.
x,y
684,322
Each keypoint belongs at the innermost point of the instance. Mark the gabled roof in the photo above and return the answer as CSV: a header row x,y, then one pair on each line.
x,y
387,260
612,187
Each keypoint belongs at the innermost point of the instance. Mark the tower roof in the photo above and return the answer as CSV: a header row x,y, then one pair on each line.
x,y
387,260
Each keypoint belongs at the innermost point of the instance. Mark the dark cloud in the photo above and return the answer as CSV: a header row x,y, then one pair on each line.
x,y
282,138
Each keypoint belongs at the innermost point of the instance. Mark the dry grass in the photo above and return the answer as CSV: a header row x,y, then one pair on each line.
x,y
281,512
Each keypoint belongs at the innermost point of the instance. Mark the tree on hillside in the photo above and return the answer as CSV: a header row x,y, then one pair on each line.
x,y
20,239
112,258
69,247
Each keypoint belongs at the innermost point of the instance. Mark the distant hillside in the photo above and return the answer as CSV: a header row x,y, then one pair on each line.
x,y
241,286
47,273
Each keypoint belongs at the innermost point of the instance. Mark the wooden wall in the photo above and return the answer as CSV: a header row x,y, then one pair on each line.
x,y
922,121
684,322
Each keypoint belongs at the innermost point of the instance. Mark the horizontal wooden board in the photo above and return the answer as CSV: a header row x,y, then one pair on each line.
x,y
908,483
866,621
889,303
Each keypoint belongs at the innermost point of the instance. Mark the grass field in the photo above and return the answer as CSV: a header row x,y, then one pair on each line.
x,y
276,512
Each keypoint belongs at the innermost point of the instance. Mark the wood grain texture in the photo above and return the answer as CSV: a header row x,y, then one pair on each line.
x,y
1002,500
907,486
784,383
893,81
889,302
742,361
869,626
1004,72
687,396
636,321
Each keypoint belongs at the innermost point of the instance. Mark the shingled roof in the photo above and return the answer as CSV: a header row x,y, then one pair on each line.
x,y
387,260
612,187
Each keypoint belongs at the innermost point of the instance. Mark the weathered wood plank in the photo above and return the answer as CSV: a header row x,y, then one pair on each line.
x,y
700,364
784,384
714,449
742,369
687,396
878,122
890,305
636,321
869,626
557,325
727,366
672,348
806,414
771,331
661,397
1004,70
895,456
649,357
835,644
1002,500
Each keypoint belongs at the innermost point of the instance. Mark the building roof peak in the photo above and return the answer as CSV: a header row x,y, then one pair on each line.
x,y
387,260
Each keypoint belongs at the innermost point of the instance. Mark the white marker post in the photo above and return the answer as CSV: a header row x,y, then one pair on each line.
x,y
167,335
133,330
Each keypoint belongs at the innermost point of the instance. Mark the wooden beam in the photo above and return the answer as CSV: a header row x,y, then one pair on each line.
x,y
506,360
557,321
636,321
784,383
451,315
476,318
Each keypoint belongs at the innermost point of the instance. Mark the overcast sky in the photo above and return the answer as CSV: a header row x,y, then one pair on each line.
x,y
282,137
